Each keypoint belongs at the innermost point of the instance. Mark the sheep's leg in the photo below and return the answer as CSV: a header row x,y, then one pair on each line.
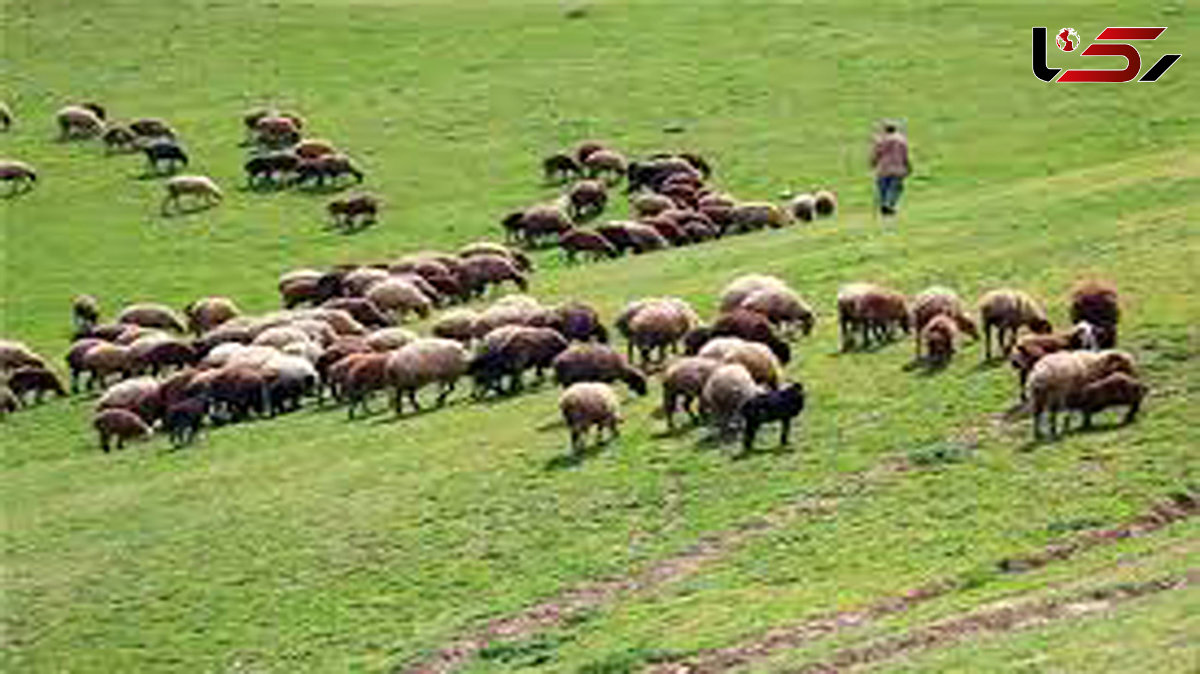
x,y
787,429
412,398
987,339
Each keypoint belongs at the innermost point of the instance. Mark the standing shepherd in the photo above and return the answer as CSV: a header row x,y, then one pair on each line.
x,y
889,158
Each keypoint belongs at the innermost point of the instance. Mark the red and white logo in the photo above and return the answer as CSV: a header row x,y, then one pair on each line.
x,y
1067,39
1108,43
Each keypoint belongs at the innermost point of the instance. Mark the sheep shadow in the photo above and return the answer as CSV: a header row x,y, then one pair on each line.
x,y
778,449
16,192
389,415
575,459
180,210
925,367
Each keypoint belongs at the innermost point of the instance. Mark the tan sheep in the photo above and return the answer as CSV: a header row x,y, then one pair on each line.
x,y
390,339
207,313
939,336
76,121
684,381
458,324
104,360
588,405
757,358
399,297
1057,377
781,306
149,315
199,187
120,424
725,391
364,375
939,300
1008,311
17,354
740,288
430,360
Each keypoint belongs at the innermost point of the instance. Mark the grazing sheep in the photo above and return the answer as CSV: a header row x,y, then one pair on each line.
x,y
649,205
642,238
35,380
511,350
119,139
207,313
935,301
19,175
782,405
739,289
240,390
399,297
280,335
74,358
560,167
164,353
174,387
85,311
575,241
939,336
277,131
618,236
586,405
575,321
184,420
750,216
160,152
148,127
311,148
657,323
803,207
480,271
151,316
873,311
271,168
668,230
782,307
1029,349
652,174
77,121
341,321
587,199
458,325
1008,310
607,164
596,362
585,149
521,260
1059,377
1117,389
1097,303
357,282
758,360
684,381
509,310
753,327
289,379
727,389
200,187
536,223
361,309
140,395
6,117
825,203
361,207
330,166
430,360
103,360
390,339
120,424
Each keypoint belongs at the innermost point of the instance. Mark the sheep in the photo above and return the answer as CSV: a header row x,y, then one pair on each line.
x,y
509,310
758,360
938,300
535,223
35,380
399,297
586,405
699,232
684,381
751,326
275,130
803,207
596,362
119,139
240,390
586,148
135,333
363,207
560,167
1117,389
200,187
939,336
727,389
740,288
361,309
223,334
174,387
650,204
782,307
390,339
1097,303
749,216
85,311
20,176
652,174
331,166
311,148
480,271
104,360
423,362
656,324
279,336
271,168
121,424
458,325
1059,376
606,164
163,151
1008,310
668,230
825,203
574,241
783,405
871,310
184,420
74,358
1029,349
207,313
149,315
77,121
162,353
288,379
148,127
575,321
140,395
341,321
586,199
6,117
357,282
521,260
642,238
618,236
509,351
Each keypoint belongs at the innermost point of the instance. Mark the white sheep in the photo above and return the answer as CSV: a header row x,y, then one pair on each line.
x,y
201,187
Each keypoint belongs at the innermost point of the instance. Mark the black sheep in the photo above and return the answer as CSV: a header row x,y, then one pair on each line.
x,y
184,420
270,168
165,151
782,405
561,167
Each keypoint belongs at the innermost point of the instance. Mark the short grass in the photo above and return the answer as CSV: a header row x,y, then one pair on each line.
x,y
312,544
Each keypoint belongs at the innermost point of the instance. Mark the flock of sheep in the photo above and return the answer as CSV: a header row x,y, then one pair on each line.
x,y
338,335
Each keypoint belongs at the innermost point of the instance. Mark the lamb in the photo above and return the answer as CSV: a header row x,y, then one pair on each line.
x,y
560,167
184,420
803,207
938,300
825,203
271,168
596,362
423,362
361,207
480,271
169,152
103,360
148,127
684,381
725,392
574,241
399,297
1117,389
200,187
782,307
19,175
1059,377
151,316
939,336
1097,303
758,360
586,405
311,148
750,216
390,339
207,313
85,311
587,199
871,310
783,405
121,424
35,380
77,121
1008,310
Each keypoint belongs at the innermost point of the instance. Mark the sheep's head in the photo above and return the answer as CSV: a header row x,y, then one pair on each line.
x,y
1041,326
1116,361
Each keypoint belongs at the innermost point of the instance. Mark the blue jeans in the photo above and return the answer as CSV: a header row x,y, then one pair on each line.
x,y
889,189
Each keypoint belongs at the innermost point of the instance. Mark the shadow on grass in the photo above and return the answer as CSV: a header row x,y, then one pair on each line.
x,y
778,449
574,459
178,211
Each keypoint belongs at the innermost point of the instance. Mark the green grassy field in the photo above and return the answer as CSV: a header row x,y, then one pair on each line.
x,y
309,543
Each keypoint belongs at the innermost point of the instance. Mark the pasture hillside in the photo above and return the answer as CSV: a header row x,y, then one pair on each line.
x,y
465,538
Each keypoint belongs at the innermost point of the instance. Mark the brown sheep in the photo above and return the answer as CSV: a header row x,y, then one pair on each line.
x,y
750,216
207,313
596,362
361,309
104,360
1097,303
536,223
35,380
825,203
871,310
430,360
119,139
151,128
19,175
74,358
151,316
586,405
666,227
649,205
575,241
643,238
585,149
311,148
935,301
607,164
1117,389
587,199
938,336
489,248
121,424
1030,349
575,321
77,121
684,381
560,167
480,271
361,207
1008,311
1059,378
85,311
